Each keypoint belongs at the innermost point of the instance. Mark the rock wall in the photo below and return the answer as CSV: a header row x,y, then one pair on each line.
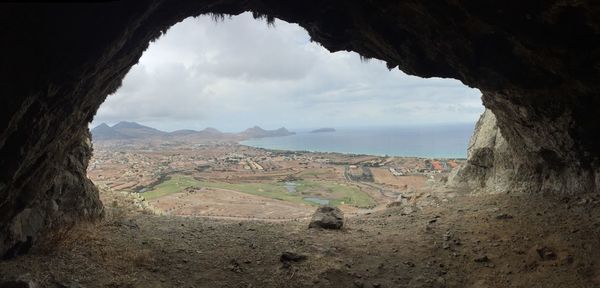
x,y
489,165
70,197
495,166
536,63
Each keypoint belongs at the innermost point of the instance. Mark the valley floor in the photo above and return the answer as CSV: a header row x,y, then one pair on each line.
x,y
461,241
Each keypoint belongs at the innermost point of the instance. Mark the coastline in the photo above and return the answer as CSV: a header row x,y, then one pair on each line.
x,y
429,142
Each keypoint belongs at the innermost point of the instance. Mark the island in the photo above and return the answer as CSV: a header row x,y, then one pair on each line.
x,y
323,130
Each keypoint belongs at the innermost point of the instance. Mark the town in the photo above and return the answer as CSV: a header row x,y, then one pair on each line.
x,y
243,181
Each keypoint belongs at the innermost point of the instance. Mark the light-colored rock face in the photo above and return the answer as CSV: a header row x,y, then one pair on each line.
x,y
484,136
488,166
494,166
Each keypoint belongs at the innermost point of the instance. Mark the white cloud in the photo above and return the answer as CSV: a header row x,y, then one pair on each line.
x,y
239,73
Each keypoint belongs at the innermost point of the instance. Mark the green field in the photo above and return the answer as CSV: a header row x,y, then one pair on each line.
x,y
336,193
173,185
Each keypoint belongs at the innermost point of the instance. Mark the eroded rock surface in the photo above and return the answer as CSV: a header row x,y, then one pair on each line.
x,y
536,63
489,166
71,197
495,166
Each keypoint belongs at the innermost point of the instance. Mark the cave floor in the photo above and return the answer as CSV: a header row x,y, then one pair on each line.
x,y
464,241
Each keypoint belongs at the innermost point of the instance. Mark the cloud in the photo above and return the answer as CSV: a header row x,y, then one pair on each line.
x,y
240,73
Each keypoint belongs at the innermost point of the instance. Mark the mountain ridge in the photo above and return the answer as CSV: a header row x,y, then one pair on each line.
x,y
126,130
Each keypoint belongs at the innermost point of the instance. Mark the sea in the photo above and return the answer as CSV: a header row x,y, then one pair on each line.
x,y
439,141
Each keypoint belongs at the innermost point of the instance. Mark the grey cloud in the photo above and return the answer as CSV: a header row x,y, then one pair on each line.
x,y
240,73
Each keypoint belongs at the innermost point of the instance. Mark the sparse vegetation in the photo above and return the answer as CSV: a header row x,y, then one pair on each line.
x,y
218,17
336,193
259,16
173,185
232,180
136,250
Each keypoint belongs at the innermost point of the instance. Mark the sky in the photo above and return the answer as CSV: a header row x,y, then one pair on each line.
x,y
241,72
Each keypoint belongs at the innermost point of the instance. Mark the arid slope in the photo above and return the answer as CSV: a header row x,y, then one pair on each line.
x,y
441,241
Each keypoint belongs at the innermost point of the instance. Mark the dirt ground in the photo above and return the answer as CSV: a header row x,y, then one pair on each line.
x,y
409,182
446,240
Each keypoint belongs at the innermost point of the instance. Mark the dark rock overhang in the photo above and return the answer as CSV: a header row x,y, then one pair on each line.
x,y
536,63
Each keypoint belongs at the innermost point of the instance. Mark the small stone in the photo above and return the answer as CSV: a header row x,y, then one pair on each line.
x,y
504,216
569,259
291,257
234,266
409,264
546,253
447,236
481,259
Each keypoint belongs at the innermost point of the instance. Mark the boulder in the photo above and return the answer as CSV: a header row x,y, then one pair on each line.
x,y
327,217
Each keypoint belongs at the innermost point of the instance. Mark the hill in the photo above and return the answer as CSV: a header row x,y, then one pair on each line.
x,y
124,130
105,132
134,131
257,132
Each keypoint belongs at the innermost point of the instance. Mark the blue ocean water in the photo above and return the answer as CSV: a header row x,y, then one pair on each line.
x,y
443,141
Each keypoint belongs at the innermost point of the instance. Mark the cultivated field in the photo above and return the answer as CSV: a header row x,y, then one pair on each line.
x,y
232,180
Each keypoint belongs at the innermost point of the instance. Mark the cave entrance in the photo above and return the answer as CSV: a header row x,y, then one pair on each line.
x,y
194,129
536,64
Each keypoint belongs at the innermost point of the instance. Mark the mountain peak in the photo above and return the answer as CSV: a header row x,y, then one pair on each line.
x,y
127,124
103,132
211,130
101,126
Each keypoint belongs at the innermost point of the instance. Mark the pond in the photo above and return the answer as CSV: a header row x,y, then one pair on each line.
x,y
290,186
317,200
